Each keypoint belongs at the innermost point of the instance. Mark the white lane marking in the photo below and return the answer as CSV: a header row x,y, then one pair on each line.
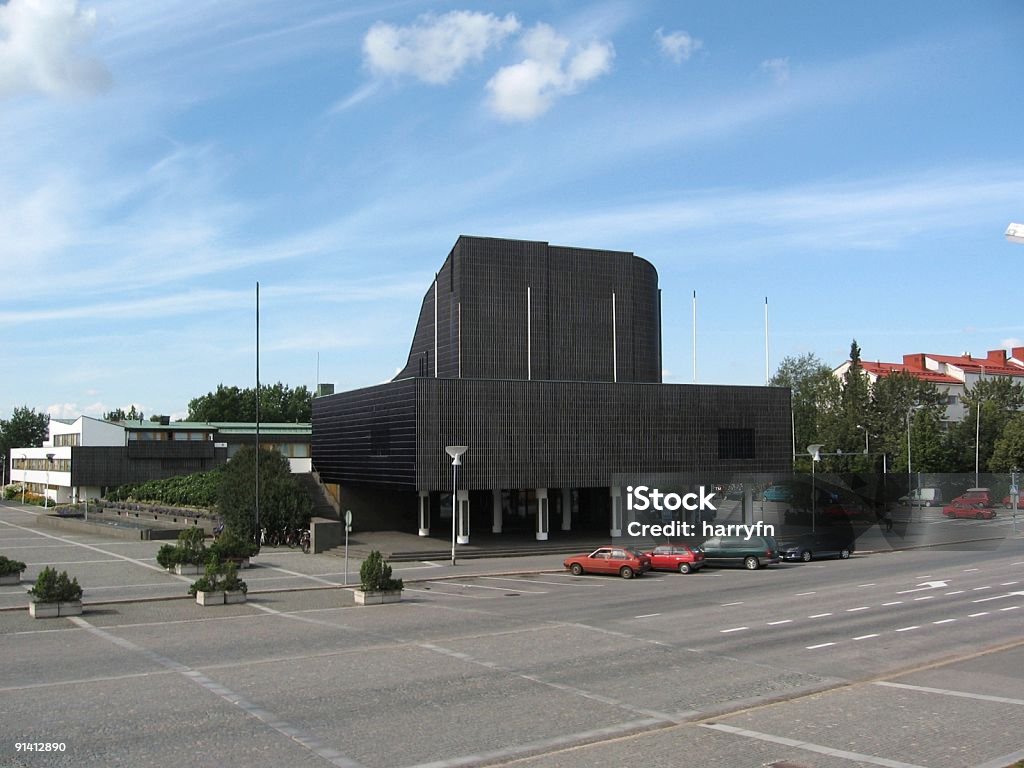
x,y
925,597
975,615
819,615
1008,583
923,586
1011,608
819,645
783,621
646,615
802,594
894,602
448,594
968,570
808,746
726,605
865,637
547,745
862,608
1018,593
956,592
977,589
269,719
944,621
733,629
484,586
872,584
907,629
538,581
948,692
70,542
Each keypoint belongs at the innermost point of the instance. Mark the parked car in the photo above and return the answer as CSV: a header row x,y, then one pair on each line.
x,y
625,561
922,497
982,496
777,493
752,553
842,510
812,546
676,557
970,509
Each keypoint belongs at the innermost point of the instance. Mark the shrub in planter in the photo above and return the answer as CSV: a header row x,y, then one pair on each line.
x,y
8,567
220,579
54,594
376,584
231,546
168,556
189,551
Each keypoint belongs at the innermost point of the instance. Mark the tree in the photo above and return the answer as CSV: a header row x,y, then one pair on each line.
x,y
895,396
991,405
25,429
1008,451
815,396
119,414
278,403
283,504
847,427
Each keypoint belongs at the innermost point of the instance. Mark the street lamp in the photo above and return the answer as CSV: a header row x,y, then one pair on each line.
x,y
867,449
1015,233
46,493
1014,494
815,452
455,451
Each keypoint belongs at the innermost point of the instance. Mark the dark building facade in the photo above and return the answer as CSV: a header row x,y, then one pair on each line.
x,y
546,363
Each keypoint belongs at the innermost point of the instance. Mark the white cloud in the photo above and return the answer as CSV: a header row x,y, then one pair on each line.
x,y
527,90
435,48
678,46
777,68
41,49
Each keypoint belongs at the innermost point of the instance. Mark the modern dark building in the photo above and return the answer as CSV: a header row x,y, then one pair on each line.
x,y
545,362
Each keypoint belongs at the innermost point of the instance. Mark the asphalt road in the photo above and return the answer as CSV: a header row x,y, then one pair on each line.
x,y
903,658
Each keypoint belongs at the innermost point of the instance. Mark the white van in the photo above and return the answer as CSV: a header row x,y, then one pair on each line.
x,y
923,497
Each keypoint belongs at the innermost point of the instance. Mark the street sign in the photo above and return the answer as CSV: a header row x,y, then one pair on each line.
x,y
348,518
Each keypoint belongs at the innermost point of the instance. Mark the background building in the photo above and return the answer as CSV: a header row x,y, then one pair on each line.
x,y
546,362
84,457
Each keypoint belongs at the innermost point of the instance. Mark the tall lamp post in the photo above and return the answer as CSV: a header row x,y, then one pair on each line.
x,y
1015,494
455,451
46,493
815,453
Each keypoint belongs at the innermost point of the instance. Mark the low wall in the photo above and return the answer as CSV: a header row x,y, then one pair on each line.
x,y
107,528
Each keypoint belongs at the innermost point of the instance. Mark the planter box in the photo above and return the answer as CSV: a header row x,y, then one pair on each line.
x,y
210,598
53,610
234,597
377,598
10,579
241,562
188,569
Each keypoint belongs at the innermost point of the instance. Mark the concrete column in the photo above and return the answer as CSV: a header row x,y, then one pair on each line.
x,y
616,496
496,525
748,505
424,513
463,508
542,514
567,509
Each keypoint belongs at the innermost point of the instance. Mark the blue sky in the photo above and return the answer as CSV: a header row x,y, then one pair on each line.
x,y
854,162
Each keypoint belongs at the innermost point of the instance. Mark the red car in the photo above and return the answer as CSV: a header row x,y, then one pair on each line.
x,y
967,508
842,511
625,561
676,557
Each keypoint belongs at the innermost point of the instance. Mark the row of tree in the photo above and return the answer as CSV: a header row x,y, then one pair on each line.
x,y
848,415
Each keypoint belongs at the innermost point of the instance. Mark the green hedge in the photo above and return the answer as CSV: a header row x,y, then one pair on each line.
x,y
198,490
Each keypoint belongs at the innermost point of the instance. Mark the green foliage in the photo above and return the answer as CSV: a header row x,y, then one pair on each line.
x,y
278,403
53,587
1009,447
7,566
196,490
190,549
375,574
25,429
283,504
230,545
219,577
